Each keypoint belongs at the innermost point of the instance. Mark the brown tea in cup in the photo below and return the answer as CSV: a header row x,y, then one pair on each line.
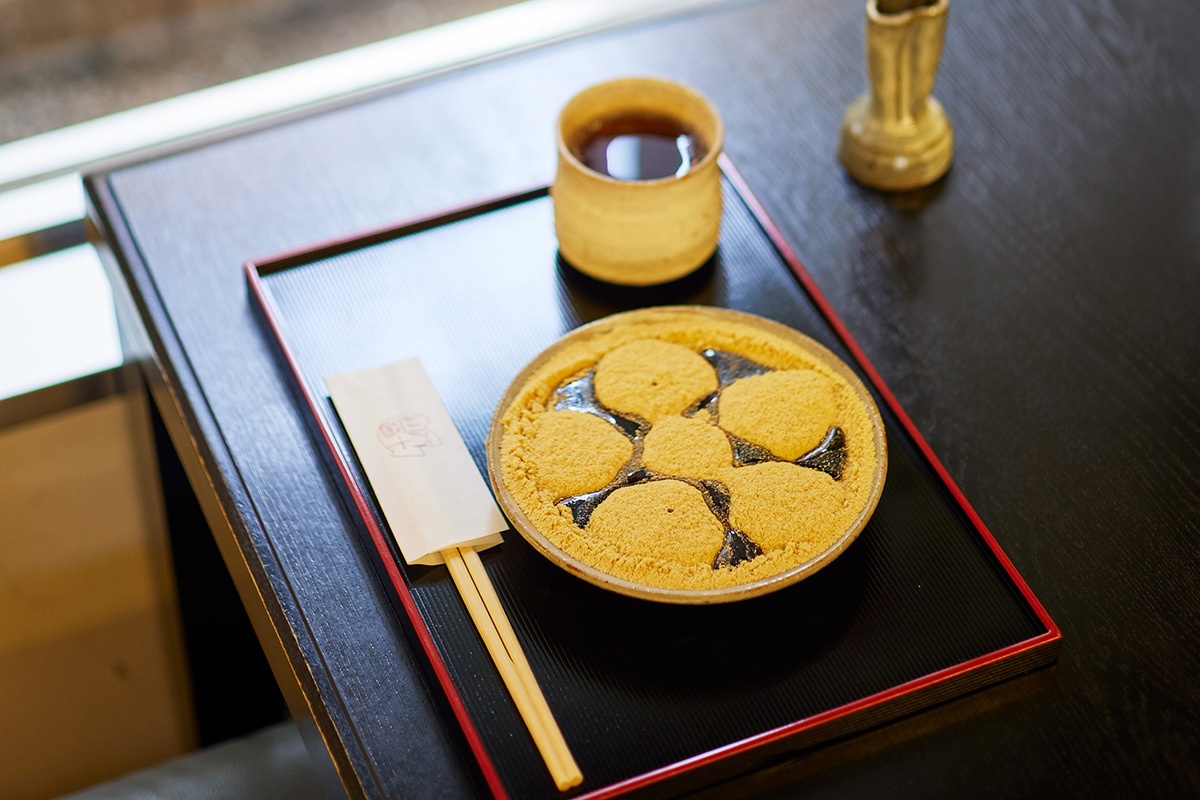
x,y
639,147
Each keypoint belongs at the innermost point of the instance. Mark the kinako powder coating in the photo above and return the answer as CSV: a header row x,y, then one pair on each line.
x,y
663,533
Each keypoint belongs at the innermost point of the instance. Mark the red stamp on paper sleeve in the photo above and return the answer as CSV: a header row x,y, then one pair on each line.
x,y
407,435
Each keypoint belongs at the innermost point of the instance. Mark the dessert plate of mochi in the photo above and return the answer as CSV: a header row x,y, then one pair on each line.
x,y
688,454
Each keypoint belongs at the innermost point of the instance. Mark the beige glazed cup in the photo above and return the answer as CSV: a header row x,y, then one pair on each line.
x,y
644,232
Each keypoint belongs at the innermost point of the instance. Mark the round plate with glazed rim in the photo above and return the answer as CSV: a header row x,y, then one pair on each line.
x,y
687,454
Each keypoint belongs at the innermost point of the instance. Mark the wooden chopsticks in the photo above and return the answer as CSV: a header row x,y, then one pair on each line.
x,y
483,605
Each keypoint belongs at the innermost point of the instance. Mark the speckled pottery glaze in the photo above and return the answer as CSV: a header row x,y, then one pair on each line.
x,y
638,233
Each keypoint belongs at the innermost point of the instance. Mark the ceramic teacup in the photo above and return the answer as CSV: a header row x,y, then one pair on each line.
x,y
637,232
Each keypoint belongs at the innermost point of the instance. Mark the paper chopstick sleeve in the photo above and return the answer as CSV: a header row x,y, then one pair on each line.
x,y
427,485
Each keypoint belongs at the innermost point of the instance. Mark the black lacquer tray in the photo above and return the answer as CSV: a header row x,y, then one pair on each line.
x,y
652,698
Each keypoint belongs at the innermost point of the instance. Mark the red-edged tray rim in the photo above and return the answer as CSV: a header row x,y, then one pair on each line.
x,y
255,269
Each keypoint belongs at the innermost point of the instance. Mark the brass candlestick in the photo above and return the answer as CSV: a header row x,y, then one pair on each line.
x,y
897,136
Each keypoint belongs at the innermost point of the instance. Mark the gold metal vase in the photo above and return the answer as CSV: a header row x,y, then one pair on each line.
x,y
897,136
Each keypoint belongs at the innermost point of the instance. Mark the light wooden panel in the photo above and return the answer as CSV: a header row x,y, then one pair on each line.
x,y
92,676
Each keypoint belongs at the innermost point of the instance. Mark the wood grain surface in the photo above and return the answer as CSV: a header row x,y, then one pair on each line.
x,y
1035,313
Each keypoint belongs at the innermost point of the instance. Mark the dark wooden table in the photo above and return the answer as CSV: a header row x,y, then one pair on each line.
x,y
1037,313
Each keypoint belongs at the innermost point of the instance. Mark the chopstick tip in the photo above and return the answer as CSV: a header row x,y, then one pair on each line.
x,y
569,781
